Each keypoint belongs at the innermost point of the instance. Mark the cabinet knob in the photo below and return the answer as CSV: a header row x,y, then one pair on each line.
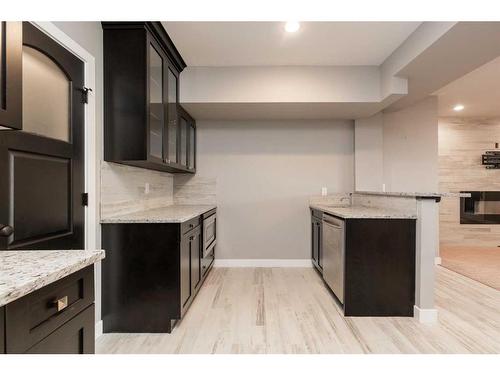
x,y
61,303
6,230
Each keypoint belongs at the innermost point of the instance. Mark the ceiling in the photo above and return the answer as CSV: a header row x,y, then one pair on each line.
x,y
478,91
266,43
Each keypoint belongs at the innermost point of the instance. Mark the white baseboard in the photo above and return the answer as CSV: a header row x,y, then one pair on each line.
x,y
263,263
437,261
425,315
98,329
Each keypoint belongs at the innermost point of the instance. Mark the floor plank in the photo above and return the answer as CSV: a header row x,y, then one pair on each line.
x,y
290,310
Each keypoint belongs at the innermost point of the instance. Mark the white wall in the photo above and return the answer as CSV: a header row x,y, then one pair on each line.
x,y
411,148
266,171
369,155
399,149
271,84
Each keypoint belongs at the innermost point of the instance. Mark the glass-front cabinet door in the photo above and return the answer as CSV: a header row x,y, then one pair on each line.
x,y
192,146
10,75
172,124
183,142
156,103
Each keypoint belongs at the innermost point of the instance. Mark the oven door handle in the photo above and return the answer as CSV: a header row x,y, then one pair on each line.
x,y
209,249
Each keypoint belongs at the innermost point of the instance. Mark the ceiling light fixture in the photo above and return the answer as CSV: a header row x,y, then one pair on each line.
x,y
458,108
292,26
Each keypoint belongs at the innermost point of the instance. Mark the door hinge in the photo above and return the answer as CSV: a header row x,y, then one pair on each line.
x,y
85,94
85,199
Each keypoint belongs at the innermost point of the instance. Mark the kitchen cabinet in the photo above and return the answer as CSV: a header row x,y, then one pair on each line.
x,y
11,46
187,140
56,319
316,240
141,98
152,271
368,263
190,266
2,330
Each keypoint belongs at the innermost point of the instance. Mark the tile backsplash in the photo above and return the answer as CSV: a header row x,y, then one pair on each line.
x,y
123,189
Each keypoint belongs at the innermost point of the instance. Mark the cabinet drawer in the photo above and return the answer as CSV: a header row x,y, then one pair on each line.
x,y
190,224
74,337
316,213
33,317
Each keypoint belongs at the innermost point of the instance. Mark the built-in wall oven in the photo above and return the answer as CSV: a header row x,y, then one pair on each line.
x,y
209,240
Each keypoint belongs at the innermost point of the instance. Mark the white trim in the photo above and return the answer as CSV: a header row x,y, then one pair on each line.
x,y
425,315
91,211
263,263
437,261
98,329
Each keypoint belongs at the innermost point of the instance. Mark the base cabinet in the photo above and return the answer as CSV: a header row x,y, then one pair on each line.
x,y
377,270
316,240
56,319
151,275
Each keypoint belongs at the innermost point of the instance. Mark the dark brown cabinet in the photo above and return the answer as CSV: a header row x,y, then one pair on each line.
x,y
2,329
11,44
56,319
141,98
187,140
151,275
316,240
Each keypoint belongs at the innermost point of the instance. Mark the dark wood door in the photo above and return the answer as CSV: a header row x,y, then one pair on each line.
x,y
43,165
10,74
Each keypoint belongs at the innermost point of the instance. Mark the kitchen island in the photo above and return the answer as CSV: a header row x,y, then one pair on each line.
x,y
391,242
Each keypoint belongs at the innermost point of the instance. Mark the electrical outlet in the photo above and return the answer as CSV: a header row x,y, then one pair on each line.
x,y
324,191
146,188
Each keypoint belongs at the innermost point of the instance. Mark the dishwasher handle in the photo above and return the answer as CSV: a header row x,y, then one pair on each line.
x,y
333,221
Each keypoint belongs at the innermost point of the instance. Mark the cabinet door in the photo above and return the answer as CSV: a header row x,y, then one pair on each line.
x,y
172,123
74,337
185,267
183,138
2,330
320,244
314,241
195,241
156,99
11,74
192,146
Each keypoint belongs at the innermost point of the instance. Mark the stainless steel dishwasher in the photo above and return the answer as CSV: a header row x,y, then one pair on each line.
x,y
333,254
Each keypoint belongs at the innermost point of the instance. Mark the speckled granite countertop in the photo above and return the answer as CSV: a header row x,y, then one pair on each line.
x,y
24,271
167,214
413,194
361,212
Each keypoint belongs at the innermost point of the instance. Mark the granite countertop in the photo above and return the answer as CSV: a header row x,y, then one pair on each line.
x,y
24,271
167,214
362,212
414,194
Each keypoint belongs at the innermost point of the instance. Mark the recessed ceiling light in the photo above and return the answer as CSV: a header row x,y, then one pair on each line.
x,y
458,108
292,26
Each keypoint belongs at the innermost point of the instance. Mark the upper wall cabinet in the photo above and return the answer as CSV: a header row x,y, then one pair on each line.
x,y
11,47
141,98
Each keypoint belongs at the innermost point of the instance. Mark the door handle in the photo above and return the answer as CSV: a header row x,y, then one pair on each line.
x,y
6,230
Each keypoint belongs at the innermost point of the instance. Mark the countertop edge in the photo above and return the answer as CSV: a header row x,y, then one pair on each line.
x,y
413,194
122,219
49,278
391,215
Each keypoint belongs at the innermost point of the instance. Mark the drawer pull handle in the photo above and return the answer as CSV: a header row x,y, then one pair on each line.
x,y
61,303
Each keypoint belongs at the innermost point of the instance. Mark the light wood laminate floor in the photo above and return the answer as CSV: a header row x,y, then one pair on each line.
x,y
289,310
